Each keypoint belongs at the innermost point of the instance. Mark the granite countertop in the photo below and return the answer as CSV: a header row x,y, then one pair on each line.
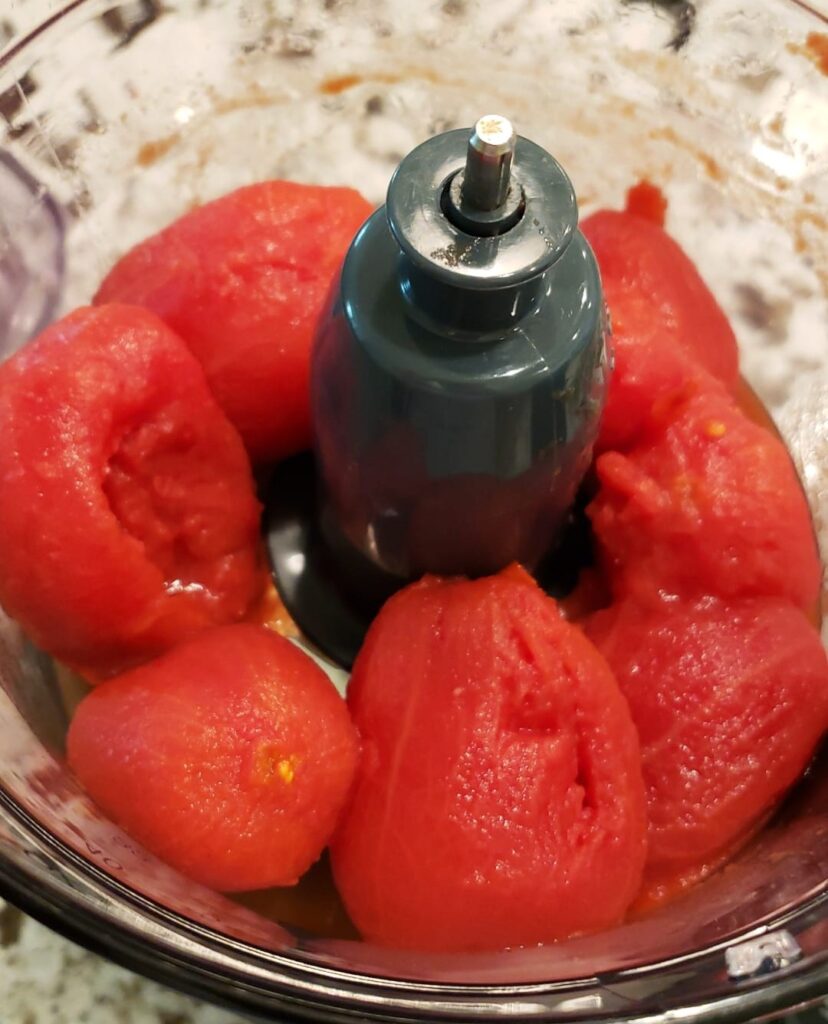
x,y
44,979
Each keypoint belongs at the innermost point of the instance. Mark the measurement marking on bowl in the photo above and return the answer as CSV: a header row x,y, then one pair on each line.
x,y
764,955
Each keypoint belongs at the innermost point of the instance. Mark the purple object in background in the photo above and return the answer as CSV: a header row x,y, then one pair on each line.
x,y
31,255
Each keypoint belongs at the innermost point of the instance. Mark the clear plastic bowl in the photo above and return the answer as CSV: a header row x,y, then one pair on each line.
x,y
122,116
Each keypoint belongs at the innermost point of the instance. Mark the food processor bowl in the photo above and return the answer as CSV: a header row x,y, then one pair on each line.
x,y
121,116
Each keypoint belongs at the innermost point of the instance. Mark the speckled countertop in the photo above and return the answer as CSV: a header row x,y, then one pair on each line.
x,y
46,980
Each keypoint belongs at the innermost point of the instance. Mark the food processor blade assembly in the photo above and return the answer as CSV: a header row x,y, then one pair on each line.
x,y
458,379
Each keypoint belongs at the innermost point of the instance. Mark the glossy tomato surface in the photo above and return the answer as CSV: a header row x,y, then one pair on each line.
x,y
128,519
243,280
729,700
708,502
499,800
229,757
666,324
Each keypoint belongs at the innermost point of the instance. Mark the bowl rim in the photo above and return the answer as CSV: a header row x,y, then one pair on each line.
x,y
60,888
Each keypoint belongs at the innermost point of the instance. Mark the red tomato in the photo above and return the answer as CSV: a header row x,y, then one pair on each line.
x,y
243,280
647,200
729,701
666,324
128,519
229,757
650,370
707,503
499,799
